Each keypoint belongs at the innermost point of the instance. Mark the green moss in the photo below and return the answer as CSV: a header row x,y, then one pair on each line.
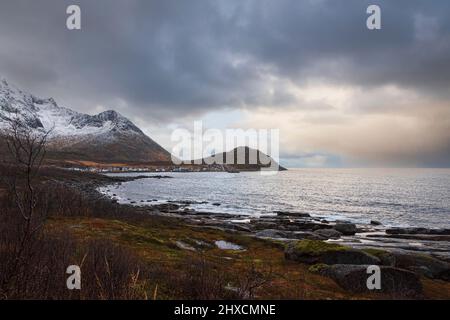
x,y
318,268
317,247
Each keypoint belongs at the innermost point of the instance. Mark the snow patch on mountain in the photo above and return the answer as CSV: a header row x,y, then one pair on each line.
x,y
44,114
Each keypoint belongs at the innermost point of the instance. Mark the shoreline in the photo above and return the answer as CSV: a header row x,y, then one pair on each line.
x,y
289,225
292,242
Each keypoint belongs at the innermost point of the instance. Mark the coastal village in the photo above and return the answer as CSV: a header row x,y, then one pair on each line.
x,y
131,169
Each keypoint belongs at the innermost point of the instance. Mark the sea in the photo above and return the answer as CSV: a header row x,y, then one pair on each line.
x,y
395,197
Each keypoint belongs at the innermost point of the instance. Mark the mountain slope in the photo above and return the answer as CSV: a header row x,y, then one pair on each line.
x,y
105,137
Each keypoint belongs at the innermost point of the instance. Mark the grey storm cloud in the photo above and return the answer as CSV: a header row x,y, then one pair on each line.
x,y
169,58
159,61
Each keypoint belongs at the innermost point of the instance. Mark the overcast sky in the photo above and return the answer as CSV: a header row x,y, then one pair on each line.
x,y
341,95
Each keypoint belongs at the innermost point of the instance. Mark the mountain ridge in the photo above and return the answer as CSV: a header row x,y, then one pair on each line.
x,y
107,136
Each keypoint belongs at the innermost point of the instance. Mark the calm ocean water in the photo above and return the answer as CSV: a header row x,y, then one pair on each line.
x,y
396,197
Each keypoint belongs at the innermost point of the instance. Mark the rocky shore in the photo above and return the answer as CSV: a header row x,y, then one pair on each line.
x,y
288,226
340,250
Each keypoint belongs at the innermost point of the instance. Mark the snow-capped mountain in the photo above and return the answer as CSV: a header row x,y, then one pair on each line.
x,y
107,136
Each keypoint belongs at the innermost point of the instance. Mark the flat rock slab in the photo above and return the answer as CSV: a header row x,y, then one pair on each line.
x,y
418,231
427,237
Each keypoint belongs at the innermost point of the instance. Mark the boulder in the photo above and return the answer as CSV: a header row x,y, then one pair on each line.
x,y
347,229
422,264
397,282
292,214
375,223
341,221
328,233
316,251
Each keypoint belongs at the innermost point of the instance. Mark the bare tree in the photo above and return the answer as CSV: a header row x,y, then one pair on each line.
x,y
33,260
21,165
